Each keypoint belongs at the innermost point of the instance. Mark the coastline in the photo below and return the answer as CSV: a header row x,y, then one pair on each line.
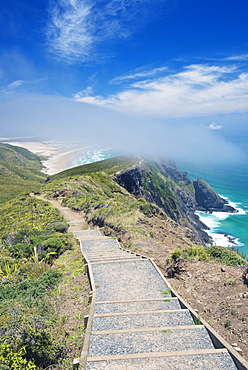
x,y
212,222
55,156
60,162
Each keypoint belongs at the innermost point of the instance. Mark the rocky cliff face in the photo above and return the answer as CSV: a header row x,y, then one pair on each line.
x,y
161,182
208,200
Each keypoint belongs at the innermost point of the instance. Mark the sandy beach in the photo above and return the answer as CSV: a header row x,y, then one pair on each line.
x,y
61,161
55,156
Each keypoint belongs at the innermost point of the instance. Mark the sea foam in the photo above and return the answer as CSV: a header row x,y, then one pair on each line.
x,y
213,222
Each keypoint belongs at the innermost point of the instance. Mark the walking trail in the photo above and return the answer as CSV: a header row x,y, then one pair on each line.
x,y
136,320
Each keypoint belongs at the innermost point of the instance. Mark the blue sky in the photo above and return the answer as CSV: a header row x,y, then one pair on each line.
x,y
168,75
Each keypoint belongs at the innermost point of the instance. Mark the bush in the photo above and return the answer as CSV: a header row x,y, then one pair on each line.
x,y
21,250
58,226
226,256
197,252
30,290
28,337
10,360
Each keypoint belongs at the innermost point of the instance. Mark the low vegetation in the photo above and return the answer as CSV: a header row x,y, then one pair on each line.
x,y
20,172
200,253
109,166
43,289
33,236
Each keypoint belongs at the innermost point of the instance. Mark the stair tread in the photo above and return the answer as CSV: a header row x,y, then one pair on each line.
x,y
201,360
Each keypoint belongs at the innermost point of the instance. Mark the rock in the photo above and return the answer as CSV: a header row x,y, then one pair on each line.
x,y
160,182
208,200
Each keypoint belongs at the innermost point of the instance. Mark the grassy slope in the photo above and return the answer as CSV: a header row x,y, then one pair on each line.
x,y
110,166
33,287
138,224
92,188
19,171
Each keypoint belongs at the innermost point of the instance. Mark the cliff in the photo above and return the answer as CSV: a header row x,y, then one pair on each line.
x,y
161,182
208,200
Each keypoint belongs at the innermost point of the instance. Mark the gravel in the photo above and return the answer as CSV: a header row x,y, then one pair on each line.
x,y
166,304
136,279
220,361
155,341
87,233
146,320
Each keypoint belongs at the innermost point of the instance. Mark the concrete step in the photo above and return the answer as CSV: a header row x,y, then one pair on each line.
x,y
143,320
193,338
212,359
87,233
137,306
99,245
117,260
136,279
116,254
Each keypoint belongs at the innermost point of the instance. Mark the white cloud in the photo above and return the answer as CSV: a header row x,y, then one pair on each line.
x,y
198,90
69,32
77,27
16,84
137,75
85,92
241,57
214,126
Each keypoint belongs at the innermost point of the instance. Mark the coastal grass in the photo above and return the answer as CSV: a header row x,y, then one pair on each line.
x,y
20,172
32,237
109,166
201,253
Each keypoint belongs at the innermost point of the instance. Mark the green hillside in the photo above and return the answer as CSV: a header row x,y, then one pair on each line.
x,y
110,166
43,287
20,171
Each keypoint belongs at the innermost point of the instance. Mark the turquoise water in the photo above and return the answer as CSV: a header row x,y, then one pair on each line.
x,y
229,180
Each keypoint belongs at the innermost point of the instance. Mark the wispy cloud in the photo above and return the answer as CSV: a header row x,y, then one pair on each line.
x,y
197,90
86,92
77,27
16,84
237,58
69,30
137,75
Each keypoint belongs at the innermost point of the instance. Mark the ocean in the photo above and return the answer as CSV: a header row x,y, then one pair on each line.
x,y
228,180
231,182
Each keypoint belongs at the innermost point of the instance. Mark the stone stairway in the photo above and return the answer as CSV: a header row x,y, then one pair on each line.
x,y
137,321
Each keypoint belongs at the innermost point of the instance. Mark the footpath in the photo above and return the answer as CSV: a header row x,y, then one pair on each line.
x,y
136,320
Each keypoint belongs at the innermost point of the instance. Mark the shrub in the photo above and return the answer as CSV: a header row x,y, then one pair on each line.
x,y
226,256
10,360
58,226
177,253
29,337
197,252
30,290
21,250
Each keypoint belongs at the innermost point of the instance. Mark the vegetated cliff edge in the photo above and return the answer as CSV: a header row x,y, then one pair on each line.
x,y
160,182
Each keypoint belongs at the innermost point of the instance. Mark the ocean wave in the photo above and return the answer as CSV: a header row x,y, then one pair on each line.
x,y
93,156
213,222
235,205
224,240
